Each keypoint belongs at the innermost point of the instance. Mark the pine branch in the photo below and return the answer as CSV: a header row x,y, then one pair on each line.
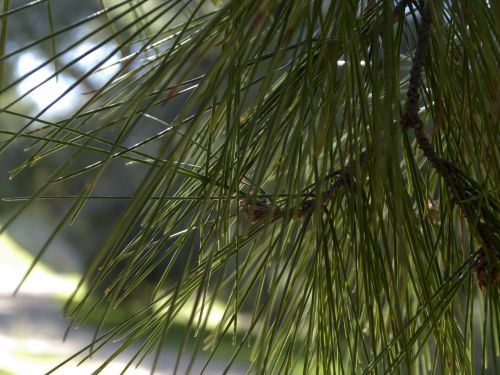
x,y
256,210
462,187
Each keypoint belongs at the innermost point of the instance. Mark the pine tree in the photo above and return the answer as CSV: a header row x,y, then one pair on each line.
x,y
327,169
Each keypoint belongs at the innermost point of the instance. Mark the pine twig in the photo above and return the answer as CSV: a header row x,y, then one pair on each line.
x,y
259,209
462,187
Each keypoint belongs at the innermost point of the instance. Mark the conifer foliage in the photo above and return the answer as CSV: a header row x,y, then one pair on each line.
x,y
326,171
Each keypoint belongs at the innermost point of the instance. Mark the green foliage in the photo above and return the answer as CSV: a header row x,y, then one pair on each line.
x,y
278,178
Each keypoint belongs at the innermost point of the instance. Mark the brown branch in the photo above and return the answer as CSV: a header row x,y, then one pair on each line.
x,y
257,210
462,187
410,118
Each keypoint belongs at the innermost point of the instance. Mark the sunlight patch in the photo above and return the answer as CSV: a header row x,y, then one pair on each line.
x,y
42,93
15,261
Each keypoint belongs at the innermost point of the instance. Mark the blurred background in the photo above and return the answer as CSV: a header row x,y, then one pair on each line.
x,y
32,326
